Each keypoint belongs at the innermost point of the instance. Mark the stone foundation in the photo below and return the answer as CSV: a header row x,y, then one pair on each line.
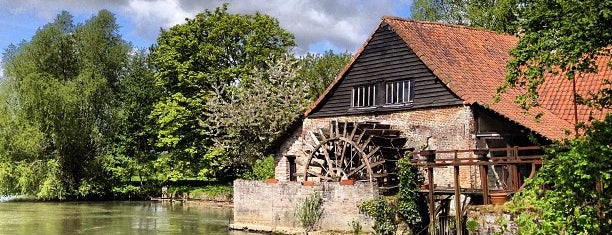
x,y
271,207
492,220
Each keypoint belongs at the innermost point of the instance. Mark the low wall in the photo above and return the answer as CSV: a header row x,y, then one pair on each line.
x,y
271,207
492,219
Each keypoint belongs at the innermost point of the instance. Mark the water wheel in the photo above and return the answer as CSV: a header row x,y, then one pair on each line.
x,y
362,151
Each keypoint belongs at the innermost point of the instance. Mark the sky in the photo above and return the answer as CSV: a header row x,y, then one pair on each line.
x,y
318,25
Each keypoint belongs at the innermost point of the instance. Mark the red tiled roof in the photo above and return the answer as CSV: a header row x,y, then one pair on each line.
x,y
471,63
556,93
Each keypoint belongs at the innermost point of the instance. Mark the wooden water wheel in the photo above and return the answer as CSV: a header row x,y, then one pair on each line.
x,y
362,151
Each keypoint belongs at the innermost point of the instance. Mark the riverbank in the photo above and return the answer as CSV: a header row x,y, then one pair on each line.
x,y
197,202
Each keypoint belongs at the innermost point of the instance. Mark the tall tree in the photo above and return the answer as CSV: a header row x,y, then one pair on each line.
x,y
452,11
254,117
62,86
560,36
129,149
566,36
498,15
214,49
320,70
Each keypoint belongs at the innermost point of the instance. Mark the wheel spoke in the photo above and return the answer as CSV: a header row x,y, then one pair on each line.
x,y
319,175
363,166
342,153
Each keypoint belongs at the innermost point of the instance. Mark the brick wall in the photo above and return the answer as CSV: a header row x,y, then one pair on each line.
x,y
271,207
449,127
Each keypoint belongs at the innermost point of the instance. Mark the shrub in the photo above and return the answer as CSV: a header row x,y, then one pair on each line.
x,y
262,170
309,211
383,212
571,193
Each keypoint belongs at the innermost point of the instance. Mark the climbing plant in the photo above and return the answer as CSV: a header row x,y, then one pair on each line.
x,y
407,205
383,212
408,196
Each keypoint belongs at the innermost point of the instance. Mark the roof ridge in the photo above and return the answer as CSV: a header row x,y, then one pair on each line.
x,y
445,24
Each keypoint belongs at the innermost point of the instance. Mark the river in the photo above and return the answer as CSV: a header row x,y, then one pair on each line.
x,y
144,217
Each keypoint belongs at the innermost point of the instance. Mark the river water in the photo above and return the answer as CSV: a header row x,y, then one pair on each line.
x,y
144,217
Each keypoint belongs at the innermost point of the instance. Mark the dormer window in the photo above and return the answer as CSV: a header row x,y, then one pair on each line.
x,y
400,92
364,96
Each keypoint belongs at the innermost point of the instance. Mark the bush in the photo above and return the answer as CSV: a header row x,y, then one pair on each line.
x,y
262,170
571,193
213,192
383,212
309,211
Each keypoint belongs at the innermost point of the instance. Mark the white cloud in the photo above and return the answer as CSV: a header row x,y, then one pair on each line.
x,y
343,24
149,16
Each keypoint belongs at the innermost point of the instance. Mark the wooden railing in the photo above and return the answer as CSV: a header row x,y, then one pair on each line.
x,y
508,159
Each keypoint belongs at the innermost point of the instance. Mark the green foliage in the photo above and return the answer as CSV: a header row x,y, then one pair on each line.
x,y
563,197
309,211
75,121
320,70
213,192
408,196
559,36
248,122
498,15
471,225
383,212
407,205
59,90
356,226
262,169
211,52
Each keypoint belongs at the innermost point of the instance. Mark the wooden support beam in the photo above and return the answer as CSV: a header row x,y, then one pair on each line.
x,y
430,198
484,174
458,212
484,180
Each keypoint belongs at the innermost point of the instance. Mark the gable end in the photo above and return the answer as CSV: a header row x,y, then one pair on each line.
x,y
386,58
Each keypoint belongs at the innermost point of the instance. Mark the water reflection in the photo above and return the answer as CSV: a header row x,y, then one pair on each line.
x,y
112,218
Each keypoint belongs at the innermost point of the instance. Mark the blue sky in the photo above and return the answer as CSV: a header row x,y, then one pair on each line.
x,y
318,25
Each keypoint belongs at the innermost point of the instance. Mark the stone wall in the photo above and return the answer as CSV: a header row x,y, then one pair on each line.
x,y
449,128
492,220
271,206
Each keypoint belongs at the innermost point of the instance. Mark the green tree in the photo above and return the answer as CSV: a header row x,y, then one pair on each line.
x,y
571,192
560,36
571,201
130,152
320,70
61,87
453,11
498,15
247,123
212,50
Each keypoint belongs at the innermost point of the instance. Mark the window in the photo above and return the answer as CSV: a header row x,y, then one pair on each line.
x,y
364,96
400,92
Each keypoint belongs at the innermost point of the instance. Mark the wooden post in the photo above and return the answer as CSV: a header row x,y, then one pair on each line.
x,y
430,198
484,174
458,212
484,180
515,174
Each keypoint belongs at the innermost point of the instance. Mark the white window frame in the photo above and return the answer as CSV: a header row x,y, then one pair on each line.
x,y
363,96
399,92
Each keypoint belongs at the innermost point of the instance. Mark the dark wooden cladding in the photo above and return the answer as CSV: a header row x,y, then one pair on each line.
x,y
386,58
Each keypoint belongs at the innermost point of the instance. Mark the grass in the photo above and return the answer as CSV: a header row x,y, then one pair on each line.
x,y
220,192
